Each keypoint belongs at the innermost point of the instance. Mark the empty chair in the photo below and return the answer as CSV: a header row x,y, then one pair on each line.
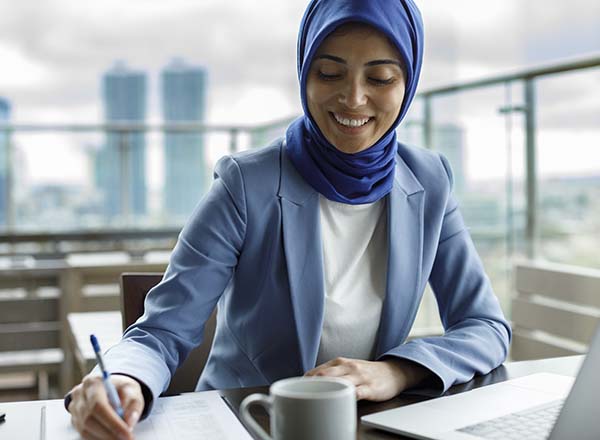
x,y
556,310
134,287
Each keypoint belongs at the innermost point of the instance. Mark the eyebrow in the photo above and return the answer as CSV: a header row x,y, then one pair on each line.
x,y
370,63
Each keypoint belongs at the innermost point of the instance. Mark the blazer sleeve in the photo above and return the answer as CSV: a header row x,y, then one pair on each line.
x,y
477,335
199,270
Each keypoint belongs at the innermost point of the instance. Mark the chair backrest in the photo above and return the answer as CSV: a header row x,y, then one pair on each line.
x,y
134,287
556,309
29,308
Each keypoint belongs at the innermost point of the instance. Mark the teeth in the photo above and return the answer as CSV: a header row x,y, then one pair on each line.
x,y
350,122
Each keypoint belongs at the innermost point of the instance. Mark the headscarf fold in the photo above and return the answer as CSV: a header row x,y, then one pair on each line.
x,y
368,175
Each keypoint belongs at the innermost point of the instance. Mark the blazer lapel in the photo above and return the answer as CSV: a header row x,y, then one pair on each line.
x,y
304,258
405,254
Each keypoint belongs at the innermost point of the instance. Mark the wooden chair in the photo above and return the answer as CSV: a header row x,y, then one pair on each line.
x,y
134,287
30,329
556,310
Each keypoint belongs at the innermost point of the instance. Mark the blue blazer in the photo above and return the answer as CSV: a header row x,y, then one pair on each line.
x,y
253,248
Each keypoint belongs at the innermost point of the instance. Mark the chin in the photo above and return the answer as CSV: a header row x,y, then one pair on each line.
x,y
350,148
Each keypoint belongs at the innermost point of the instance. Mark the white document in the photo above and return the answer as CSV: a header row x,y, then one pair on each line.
x,y
189,416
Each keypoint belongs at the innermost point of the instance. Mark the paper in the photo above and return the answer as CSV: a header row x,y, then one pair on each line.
x,y
189,416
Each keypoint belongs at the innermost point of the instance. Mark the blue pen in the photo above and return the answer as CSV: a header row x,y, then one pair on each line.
x,y
111,391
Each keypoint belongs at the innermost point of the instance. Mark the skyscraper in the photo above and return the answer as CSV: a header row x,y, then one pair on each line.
x,y
183,88
4,172
124,98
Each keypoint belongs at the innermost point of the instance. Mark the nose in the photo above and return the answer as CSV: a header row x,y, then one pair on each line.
x,y
353,94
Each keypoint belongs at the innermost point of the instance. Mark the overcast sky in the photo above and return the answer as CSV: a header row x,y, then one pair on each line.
x,y
53,53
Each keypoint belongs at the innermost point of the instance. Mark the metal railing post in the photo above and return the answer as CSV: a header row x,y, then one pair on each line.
x,y
427,122
9,189
233,140
531,228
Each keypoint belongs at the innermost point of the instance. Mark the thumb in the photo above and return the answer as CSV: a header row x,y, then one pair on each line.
x,y
133,411
132,401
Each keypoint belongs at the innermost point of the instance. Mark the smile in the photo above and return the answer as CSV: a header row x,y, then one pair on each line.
x,y
350,122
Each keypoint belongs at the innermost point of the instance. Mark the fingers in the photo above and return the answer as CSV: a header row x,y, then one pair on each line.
x,y
373,380
107,417
93,416
362,392
132,401
100,407
335,368
94,429
333,371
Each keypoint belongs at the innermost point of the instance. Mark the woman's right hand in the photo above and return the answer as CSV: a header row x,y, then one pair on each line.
x,y
94,417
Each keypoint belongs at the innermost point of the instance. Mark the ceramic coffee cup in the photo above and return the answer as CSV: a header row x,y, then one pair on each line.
x,y
301,408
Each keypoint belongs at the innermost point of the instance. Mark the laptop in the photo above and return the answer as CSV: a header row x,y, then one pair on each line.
x,y
539,406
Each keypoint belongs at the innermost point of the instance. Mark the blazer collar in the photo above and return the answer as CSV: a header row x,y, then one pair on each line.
x,y
404,266
292,185
304,258
404,179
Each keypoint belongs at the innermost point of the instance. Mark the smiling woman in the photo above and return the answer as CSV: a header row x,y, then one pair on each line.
x,y
355,87
332,233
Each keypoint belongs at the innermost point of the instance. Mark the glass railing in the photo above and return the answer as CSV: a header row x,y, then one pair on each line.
x,y
524,148
526,159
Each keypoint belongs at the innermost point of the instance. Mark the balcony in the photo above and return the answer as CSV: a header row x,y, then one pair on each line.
x,y
527,176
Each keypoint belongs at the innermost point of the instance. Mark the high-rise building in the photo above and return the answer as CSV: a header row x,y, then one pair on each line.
x,y
4,171
183,88
124,99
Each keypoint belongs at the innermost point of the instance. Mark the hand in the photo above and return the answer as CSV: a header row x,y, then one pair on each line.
x,y
94,417
374,380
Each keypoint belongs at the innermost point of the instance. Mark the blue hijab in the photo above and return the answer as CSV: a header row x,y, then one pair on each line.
x,y
368,175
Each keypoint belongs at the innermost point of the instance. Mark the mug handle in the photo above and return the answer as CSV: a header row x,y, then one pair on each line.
x,y
261,399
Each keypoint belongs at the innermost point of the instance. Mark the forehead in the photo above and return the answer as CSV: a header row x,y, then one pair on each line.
x,y
359,37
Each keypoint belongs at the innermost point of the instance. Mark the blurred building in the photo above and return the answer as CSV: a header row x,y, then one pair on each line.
x,y
183,89
4,165
124,93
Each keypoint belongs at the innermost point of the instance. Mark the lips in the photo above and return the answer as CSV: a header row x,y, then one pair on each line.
x,y
350,122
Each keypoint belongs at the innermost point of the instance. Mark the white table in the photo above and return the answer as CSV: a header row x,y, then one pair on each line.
x,y
23,418
107,327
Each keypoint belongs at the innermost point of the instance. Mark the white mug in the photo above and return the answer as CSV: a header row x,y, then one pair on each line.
x,y
301,408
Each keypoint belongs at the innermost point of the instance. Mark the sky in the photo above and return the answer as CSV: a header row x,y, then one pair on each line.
x,y
53,53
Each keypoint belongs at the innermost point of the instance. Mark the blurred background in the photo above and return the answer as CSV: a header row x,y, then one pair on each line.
x,y
113,114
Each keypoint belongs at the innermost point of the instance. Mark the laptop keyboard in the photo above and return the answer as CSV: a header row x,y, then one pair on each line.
x,y
532,424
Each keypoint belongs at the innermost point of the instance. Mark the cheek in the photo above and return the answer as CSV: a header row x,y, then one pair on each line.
x,y
317,94
391,103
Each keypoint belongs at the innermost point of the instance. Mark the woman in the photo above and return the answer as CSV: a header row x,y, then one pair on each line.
x,y
317,249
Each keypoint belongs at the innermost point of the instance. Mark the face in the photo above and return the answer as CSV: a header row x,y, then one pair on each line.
x,y
355,87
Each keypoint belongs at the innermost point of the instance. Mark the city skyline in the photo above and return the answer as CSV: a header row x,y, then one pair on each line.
x,y
53,53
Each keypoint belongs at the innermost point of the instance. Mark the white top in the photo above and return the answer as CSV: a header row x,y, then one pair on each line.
x,y
355,254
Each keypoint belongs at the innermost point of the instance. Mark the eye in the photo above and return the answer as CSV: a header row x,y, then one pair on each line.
x,y
382,82
328,76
